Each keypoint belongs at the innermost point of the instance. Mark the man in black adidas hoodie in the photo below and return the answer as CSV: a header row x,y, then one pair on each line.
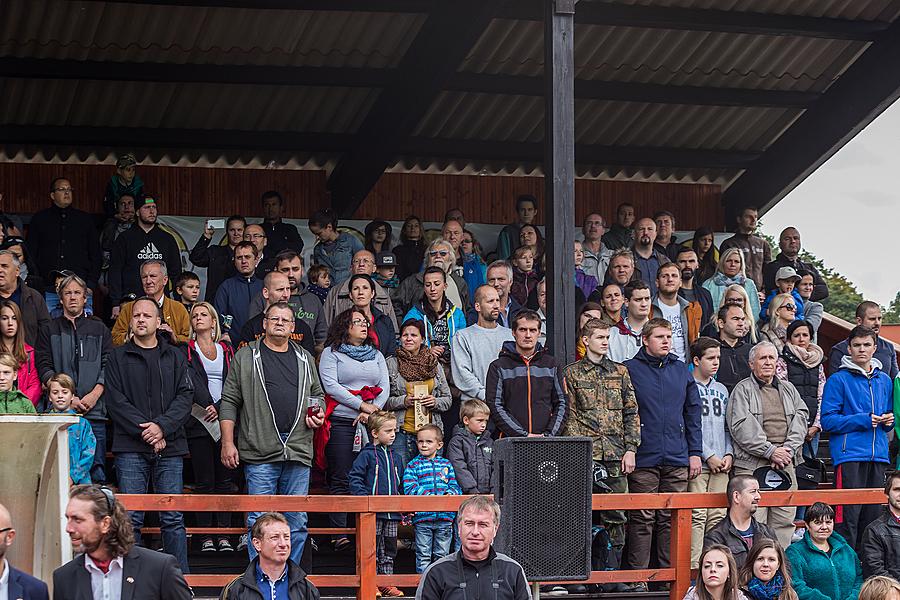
x,y
144,241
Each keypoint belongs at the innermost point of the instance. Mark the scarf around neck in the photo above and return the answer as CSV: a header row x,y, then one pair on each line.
x,y
416,367
811,357
724,280
766,591
360,353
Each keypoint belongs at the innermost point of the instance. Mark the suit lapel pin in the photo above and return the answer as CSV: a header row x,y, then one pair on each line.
x,y
129,579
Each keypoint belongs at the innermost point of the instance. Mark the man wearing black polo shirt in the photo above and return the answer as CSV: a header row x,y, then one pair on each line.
x,y
280,235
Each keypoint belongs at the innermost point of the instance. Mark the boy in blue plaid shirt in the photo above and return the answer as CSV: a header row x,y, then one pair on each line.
x,y
431,475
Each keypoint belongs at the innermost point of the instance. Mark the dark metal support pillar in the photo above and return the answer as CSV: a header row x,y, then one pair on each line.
x,y
559,175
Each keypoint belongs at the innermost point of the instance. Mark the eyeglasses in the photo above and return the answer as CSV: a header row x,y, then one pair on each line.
x,y
279,320
438,253
5,529
789,306
255,236
359,323
64,190
363,261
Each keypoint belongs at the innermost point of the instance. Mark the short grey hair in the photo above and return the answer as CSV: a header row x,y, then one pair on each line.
x,y
15,260
480,504
154,261
760,347
501,264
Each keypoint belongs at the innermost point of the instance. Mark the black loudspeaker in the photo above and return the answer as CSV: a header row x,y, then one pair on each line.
x,y
543,487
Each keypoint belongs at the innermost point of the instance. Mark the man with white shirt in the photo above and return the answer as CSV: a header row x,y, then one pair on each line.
x,y
668,305
101,533
478,345
625,336
14,584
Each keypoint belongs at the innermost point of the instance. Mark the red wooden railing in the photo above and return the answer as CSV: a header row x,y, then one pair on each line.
x,y
366,580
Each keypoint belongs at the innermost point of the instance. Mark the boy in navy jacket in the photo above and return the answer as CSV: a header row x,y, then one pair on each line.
x,y
376,472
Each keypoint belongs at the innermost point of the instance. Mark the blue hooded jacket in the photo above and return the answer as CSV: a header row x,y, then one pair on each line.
x,y
670,410
456,320
376,472
850,399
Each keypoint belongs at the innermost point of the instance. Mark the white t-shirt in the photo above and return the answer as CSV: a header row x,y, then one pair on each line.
x,y
213,370
672,314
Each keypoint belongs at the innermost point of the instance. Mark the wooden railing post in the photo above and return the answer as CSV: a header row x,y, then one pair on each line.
x,y
680,552
365,556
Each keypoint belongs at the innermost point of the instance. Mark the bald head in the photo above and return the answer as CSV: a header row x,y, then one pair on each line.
x,y
7,533
644,232
789,242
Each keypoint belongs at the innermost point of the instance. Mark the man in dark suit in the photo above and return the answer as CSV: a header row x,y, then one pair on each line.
x,y
14,584
101,533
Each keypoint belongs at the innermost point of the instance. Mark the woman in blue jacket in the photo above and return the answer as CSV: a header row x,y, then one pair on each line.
x,y
441,317
823,565
474,267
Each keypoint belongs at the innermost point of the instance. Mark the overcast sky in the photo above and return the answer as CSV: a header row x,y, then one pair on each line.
x,y
847,211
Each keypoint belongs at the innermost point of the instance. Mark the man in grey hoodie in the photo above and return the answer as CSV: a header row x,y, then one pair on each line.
x,y
270,386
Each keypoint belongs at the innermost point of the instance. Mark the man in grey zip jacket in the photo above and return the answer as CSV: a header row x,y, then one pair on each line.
x,y
271,384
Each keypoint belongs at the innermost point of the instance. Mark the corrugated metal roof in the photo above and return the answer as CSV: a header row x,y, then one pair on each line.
x,y
101,31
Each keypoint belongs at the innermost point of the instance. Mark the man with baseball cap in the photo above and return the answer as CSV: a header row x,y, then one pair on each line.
x,y
144,241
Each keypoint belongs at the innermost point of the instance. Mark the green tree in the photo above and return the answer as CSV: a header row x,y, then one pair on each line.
x,y
843,297
892,312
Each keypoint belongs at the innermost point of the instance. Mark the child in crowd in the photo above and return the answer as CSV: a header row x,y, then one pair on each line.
x,y
12,401
786,280
431,475
376,472
525,278
319,281
718,455
187,286
469,450
82,443
587,283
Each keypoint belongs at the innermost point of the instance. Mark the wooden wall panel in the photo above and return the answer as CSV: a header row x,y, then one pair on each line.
x,y
486,199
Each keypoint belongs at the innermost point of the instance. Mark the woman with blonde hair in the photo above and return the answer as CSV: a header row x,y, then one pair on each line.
x,y
208,361
732,270
736,295
880,587
782,309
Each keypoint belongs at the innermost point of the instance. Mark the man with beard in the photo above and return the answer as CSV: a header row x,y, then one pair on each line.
x,y
14,584
647,259
700,309
668,305
101,534
478,345
499,277
739,530
144,241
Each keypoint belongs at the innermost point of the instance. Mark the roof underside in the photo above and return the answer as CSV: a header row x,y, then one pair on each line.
x,y
666,90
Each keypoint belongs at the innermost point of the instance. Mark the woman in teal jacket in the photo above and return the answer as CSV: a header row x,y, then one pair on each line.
x,y
441,317
823,565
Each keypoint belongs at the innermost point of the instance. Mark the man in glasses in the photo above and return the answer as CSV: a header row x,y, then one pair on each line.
x,y
276,288
63,237
14,584
338,299
857,413
273,389
101,534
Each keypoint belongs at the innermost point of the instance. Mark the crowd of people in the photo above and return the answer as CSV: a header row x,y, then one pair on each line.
x,y
391,368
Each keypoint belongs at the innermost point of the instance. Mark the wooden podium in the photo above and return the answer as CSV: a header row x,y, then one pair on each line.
x,y
34,486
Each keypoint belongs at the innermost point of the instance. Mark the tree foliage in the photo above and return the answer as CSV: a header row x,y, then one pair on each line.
x,y
843,297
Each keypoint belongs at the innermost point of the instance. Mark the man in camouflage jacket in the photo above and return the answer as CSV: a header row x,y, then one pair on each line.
x,y
604,408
